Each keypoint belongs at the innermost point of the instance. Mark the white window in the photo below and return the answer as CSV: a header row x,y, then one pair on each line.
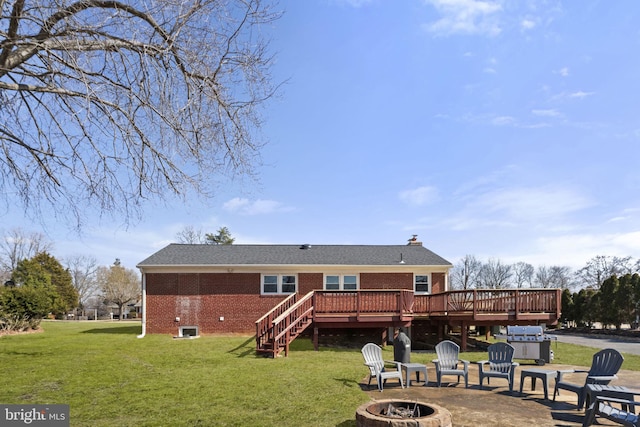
x,y
422,283
279,284
340,282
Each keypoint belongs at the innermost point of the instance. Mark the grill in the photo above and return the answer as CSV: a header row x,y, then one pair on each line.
x,y
530,342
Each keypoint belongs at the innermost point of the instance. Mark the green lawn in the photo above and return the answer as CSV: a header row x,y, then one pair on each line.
x,y
110,377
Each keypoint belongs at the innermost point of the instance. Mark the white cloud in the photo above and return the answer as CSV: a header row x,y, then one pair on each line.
x,y
465,17
576,249
419,196
490,68
503,121
527,24
564,71
546,113
572,95
580,94
244,206
531,203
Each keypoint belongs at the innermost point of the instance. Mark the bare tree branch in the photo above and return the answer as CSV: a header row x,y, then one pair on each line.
x,y
108,104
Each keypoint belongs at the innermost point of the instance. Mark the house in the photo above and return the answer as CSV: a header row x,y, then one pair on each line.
x,y
278,291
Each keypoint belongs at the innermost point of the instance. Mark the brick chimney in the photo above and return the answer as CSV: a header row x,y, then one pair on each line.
x,y
413,241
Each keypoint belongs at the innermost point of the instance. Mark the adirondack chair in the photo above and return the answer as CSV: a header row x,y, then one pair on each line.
x,y
603,407
447,362
604,366
372,354
499,365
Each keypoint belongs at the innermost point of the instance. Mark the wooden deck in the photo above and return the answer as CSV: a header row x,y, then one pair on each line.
x,y
490,305
387,308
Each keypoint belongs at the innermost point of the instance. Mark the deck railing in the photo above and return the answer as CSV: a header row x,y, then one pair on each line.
x,y
486,301
363,302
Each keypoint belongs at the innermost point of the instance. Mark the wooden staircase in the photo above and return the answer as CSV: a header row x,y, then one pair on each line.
x,y
284,323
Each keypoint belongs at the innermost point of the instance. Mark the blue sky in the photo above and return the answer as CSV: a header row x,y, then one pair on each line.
x,y
504,129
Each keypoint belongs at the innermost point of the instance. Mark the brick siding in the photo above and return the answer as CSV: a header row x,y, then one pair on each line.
x,y
202,299
437,283
386,281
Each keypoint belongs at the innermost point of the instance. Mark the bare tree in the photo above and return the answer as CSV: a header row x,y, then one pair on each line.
x,y
522,274
495,275
543,278
119,285
110,103
464,275
17,245
190,235
83,271
601,267
560,277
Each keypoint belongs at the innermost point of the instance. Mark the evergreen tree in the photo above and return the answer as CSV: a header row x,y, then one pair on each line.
x,y
22,307
568,307
222,238
45,273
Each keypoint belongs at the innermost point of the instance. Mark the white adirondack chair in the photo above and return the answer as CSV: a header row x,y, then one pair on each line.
x,y
448,363
372,354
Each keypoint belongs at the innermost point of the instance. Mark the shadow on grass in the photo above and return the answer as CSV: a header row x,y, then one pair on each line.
x,y
245,349
348,382
117,330
26,353
347,423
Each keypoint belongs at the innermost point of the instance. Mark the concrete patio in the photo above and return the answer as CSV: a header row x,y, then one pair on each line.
x,y
494,405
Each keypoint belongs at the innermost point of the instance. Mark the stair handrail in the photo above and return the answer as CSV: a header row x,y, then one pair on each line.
x,y
283,302
292,308
290,326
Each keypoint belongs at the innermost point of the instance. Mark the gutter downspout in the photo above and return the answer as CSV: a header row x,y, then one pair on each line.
x,y
144,306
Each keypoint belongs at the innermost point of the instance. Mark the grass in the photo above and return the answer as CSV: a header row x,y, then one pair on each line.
x,y
110,377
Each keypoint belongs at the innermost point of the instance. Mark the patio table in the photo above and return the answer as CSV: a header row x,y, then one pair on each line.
x,y
534,373
409,368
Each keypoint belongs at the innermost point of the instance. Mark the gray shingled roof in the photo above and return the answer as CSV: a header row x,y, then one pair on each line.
x,y
223,255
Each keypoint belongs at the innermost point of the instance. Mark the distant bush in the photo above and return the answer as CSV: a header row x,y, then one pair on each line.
x,y
22,308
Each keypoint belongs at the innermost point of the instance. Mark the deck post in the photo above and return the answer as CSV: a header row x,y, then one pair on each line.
x,y
287,337
316,339
464,331
441,331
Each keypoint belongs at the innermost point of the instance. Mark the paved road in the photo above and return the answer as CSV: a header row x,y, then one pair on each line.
x,y
622,344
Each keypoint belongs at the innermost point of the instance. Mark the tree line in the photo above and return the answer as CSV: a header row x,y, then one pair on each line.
x,y
472,273
38,285
615,303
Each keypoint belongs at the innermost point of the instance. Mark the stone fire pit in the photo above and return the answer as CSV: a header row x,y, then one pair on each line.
x,y
402,413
